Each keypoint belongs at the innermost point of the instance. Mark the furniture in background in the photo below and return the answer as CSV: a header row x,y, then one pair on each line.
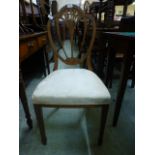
x,y
99,49
127,24
104,11
30,17
132,73
30,44
106,7
45,10
125,4
32,40
22,95
128,40
54,7
71,88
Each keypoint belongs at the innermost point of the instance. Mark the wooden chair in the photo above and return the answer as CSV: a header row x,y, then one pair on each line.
x,y
71,88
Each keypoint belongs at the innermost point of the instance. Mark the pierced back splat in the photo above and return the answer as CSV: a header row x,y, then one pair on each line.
x,y
70,27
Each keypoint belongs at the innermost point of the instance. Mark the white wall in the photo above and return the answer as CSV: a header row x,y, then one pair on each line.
x,y
61,3
34,1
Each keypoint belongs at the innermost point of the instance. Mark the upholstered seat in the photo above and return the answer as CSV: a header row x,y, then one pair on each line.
x,y
71,87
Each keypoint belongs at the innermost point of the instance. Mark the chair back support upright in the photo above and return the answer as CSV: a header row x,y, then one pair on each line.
x,y
67,28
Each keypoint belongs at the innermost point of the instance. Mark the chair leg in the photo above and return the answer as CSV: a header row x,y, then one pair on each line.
x,y
39,117
104,114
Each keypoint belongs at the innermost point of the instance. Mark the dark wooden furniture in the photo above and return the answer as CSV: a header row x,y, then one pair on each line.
x,y
70,15
32,43
128,40
125,4
22,95
127,24
54,7
28,45
108,8
30,17
99,7
32,40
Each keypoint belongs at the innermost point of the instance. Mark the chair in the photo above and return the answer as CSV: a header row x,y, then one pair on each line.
x,y
71,88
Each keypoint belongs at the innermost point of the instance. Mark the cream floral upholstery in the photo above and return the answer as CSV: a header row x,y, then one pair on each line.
x,y
71,87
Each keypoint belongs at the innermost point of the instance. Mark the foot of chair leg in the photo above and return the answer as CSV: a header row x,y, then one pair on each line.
x,y
39,116
104,114
132,84
99,141
29,122
44,141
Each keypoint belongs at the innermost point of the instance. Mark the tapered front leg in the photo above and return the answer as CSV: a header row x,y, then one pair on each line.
x,y
39,117
104,113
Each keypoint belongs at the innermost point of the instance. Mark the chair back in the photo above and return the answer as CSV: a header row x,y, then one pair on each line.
x,y
68,36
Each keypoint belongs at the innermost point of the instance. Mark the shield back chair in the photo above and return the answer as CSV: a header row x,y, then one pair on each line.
x,y
71,88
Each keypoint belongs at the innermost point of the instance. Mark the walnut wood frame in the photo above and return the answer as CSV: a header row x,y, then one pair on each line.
x,y
40,120
75,12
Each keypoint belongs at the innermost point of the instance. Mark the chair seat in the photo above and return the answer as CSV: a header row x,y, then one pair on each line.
x,y
71,87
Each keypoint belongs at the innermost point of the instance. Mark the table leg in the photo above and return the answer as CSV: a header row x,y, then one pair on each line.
x,y
23,98
123,81
43,62
104,114
46,60
133,76
100,64
110,66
